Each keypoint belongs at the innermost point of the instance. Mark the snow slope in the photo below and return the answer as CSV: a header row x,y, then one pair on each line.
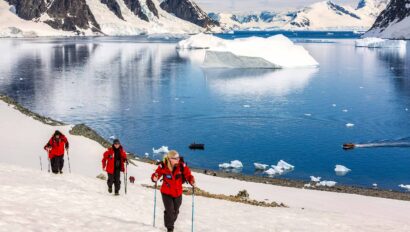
x,y
327,15
31,200
13,26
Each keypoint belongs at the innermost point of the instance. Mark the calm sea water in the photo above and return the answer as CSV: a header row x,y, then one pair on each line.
x,y
148,94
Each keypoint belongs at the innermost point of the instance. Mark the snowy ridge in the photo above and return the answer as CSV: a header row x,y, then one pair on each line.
x,y
112,18
324,15
393,22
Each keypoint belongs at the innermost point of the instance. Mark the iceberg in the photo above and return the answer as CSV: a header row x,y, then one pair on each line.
x,y
259,166
349,125
406,187
235,164
373,42
200,41
341,170
272,172
326,183
163,149
254,52
315,179
285,166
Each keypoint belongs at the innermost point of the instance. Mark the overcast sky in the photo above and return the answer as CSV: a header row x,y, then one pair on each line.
x,y
258,5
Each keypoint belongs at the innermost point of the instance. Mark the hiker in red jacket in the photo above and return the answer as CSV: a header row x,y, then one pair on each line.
x,y
55,148
113,162
174,173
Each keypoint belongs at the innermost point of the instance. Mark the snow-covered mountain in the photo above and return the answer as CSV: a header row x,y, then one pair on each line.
x,y
324,15
104,17
393,22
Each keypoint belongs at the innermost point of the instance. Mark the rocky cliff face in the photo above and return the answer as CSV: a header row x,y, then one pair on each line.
x,y
136,8
29,9
67,15
396,11
188,10
114,7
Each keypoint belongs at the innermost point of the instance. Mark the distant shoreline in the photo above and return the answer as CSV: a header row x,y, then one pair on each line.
x,y
83,130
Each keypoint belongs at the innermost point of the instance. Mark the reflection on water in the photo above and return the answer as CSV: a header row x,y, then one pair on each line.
x,y
150,94
258,82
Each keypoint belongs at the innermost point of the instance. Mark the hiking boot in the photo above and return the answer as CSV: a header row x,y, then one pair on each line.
x,y
109,190
170,230
61,172
117,193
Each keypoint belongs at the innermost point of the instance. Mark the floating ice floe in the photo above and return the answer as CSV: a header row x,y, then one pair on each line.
x,y
235,164
380,43
341,170
345,110
326,183
315,179
374,185
307,185
254,52
246,106
259,166
349,124
112,137
146,155
406,187
334,105
308,115
280,168
163,149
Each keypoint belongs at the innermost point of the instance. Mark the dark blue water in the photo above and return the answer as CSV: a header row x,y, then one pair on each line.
x,y
148,94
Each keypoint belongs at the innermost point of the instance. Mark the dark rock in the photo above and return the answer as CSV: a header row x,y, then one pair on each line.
x,y
189,11
29,9
152,8
135,7
70,14
395,11
114,7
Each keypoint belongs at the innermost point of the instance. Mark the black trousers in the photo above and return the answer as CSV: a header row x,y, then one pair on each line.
x,y
115,179
57,163
171,212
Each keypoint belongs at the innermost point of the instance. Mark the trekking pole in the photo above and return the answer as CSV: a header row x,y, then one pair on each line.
x,y
68,157
193,207
49,162
155,200
41,165
125,177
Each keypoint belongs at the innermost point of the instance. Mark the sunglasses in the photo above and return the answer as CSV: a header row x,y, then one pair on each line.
x,y
177,158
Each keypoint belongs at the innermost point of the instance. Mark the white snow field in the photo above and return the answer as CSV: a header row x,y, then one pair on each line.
x,y
254,52
31,200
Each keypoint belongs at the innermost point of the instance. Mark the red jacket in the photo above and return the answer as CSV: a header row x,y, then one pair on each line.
x,y
172,181
57,146
108,161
